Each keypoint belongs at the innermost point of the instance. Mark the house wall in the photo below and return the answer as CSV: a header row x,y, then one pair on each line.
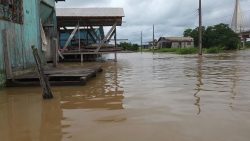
x,y
168,44
22,37
48,19
176,45
187,44
182,44
163,44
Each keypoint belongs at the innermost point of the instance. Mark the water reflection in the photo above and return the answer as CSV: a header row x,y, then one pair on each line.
x,y
104,92
25,117
234,79
199,83
51,127
141,97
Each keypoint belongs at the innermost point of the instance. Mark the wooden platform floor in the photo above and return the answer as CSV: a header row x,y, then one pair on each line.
x,y
57,77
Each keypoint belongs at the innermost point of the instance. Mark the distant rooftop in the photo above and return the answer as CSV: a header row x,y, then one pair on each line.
x,y
180,39
89,16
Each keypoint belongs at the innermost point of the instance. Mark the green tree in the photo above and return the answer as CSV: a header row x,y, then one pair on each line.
x,y
129,46
194,33
220,35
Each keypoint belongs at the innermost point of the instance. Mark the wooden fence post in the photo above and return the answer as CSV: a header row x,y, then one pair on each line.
x,y
47,94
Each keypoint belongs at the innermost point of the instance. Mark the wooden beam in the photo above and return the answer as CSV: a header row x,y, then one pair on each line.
x,y
92,30
7,62
91,35
65,28
79,36
115,45
44,82
107,37
55,52
70,37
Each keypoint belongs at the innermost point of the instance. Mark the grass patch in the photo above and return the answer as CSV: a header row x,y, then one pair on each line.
x,y
187,51
214,50
178,50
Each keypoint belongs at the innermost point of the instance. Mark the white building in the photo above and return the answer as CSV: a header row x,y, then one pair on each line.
x,y
175,42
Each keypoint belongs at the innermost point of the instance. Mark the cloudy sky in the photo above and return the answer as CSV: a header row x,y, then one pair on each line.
x,y
171,17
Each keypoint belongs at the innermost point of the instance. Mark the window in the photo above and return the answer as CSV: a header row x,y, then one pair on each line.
x,y
11,10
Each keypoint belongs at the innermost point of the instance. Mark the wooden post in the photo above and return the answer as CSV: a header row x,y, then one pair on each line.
x,y
79,36
7,62
47,94
81,58
87,36
55,52
200,28
115,36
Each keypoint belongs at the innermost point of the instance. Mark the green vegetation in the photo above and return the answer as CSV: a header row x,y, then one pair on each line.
x,y
247,44
183,51
178,50
214,50
129,47
218,35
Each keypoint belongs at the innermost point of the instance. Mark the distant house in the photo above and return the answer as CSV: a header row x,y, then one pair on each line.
x,y
175,42
145,46
152,44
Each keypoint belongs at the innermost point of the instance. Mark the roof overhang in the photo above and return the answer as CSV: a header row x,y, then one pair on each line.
x,y
89,16
59,0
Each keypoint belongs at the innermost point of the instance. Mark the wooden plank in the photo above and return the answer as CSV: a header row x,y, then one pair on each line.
x,y
84,53
70,37
57,77
108,36
52,83
55,52
69,75
47,94
7,62
115,45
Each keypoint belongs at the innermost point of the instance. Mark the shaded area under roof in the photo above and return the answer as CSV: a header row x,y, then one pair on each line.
x,y
89,16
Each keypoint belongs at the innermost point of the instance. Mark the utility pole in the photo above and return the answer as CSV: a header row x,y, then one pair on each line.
x,y
200,28
153,38
141,41
115,37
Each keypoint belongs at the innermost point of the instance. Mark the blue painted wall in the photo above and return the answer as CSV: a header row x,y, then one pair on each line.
x,y
23,36
65,35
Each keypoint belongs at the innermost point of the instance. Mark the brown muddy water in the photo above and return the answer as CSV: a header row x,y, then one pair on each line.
x,y
142,97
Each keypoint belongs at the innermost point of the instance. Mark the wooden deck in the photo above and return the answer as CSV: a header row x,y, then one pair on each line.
x,y
87,54
56,77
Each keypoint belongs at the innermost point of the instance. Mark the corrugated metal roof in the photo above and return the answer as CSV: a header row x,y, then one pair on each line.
x,y
90,12
179,39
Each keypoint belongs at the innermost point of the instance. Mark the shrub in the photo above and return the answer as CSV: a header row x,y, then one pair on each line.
x,y
214,50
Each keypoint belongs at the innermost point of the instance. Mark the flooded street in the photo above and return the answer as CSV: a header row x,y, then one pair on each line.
x,y
142,97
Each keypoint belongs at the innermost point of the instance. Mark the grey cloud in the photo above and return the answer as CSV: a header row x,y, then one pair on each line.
x,y
171,17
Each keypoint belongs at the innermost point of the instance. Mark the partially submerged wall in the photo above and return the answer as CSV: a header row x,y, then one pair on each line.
x,y
20,38
2,78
